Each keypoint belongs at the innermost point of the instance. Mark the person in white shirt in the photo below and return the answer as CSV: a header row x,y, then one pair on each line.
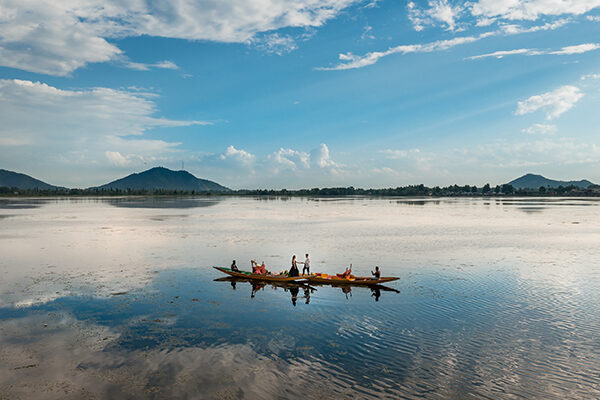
x,y
306,265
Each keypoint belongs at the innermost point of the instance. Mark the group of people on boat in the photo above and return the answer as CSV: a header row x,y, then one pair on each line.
x,y
294,271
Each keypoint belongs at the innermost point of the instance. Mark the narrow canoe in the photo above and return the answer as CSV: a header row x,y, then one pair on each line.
x,y
257,277
357,280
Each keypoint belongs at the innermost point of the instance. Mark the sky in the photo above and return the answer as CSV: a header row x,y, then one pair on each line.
x,y
301,93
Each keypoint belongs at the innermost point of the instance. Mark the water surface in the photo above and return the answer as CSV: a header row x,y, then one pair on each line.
x,y
106,298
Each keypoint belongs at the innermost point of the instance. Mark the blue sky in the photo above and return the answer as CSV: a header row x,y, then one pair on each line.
x,y
278,93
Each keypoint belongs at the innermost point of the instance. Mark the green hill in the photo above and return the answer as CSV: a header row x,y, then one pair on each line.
x,y
160,178
533,181
13,179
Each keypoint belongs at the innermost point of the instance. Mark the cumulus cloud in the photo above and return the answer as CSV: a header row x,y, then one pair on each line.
x,y
290,159
553,103
439,11
532,9
116,158
84,127
487,12
294,160
56,38
237,154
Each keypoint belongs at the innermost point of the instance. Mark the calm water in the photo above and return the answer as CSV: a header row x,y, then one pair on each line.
x,y
117,298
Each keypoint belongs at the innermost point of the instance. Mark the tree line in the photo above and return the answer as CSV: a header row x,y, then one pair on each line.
x,y
410,190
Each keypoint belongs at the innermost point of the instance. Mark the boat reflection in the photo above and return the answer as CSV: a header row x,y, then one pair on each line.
x,y
347,289
294,288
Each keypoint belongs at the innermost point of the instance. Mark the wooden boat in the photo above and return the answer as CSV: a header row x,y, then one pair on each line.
x,y
258,277
351,280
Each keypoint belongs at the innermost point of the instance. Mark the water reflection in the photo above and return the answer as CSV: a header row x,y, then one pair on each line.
x,y
21,204
99,301
162,202
292,287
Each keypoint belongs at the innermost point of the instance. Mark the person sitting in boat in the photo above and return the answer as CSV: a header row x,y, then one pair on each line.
x,y
377,273
294,268
346,273
234,267
258,269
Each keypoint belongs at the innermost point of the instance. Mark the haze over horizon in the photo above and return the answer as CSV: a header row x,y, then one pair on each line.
x,y
272,93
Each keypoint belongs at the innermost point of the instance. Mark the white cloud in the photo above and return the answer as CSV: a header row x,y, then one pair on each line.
x,y
166,64
590,76
320,158
540,129
513,29
82,127
439,11
275,43
568,50
367,33
578,49
116,158
593,18
290,159
397,154
352,61
531,9
238,155
554,103
502,53
56,38
294,160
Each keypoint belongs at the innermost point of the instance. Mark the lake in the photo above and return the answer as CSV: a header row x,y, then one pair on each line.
x,y
116,298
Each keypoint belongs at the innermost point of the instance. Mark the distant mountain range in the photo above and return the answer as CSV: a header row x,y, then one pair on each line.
x,y
160,178
16,180
533,181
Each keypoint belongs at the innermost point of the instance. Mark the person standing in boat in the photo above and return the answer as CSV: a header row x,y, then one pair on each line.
x,y
306,265
294,268
377,273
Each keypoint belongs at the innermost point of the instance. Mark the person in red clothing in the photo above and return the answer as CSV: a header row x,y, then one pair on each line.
x,y
258,269
346,273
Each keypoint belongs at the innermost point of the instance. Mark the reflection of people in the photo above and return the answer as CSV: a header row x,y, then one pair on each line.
x,y
347,290
233,284
255,288
294,268
376,293
307,295
377,273
306,266
234,267
294,291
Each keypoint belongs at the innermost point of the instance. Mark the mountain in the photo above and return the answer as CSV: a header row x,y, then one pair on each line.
x,y
532,181
165,179
25,182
